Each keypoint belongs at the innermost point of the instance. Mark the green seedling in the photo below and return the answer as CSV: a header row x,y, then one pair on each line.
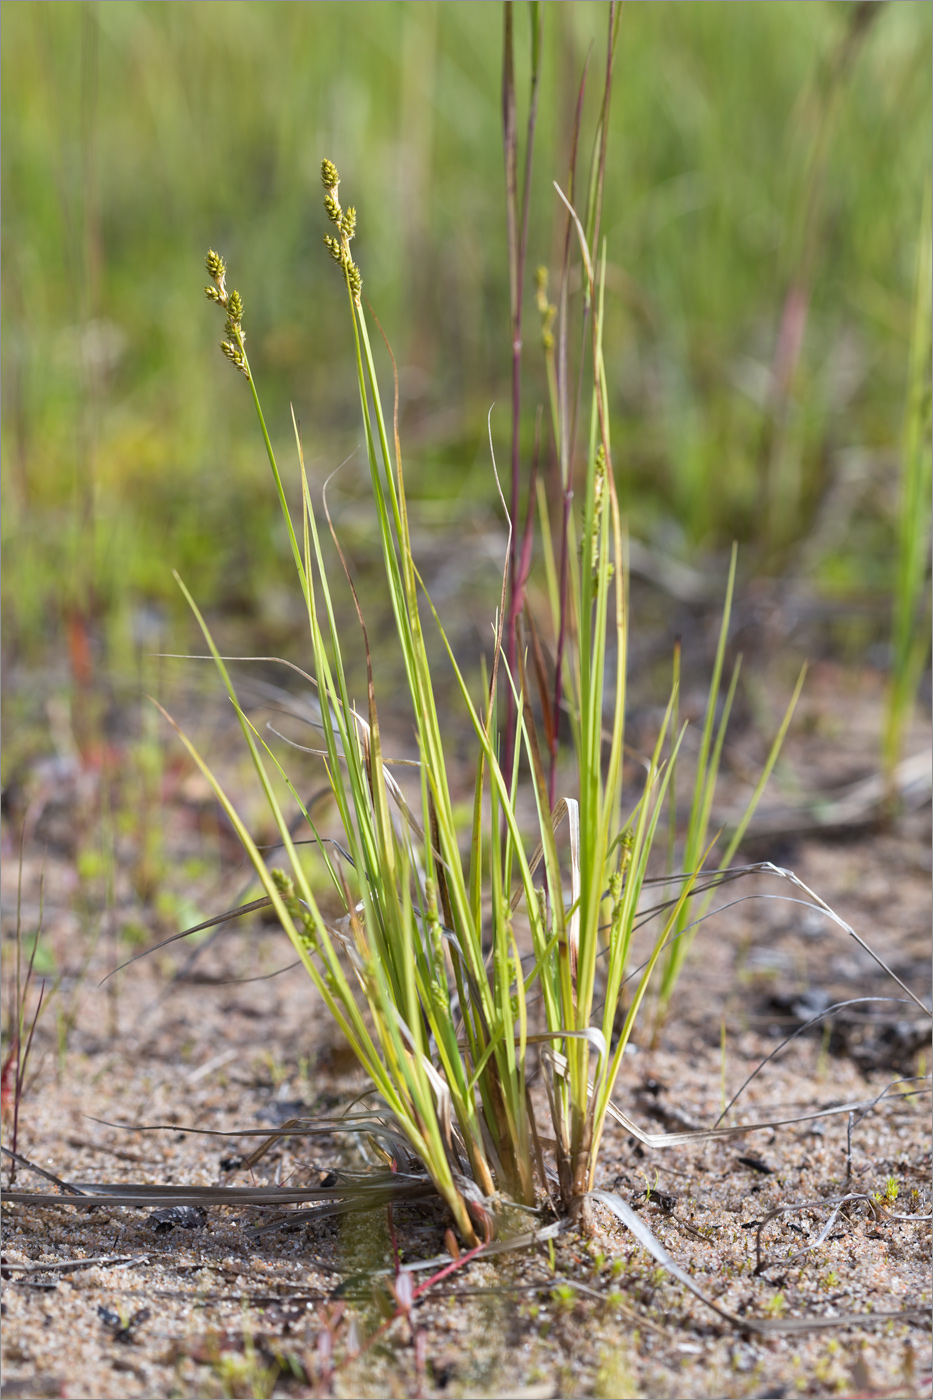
x,y
883,1202
564,1297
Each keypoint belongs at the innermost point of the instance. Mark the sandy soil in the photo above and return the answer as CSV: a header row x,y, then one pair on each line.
x,y
216,1311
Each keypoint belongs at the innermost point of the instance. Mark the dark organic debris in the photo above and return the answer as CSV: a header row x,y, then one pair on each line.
x,y
671,1116
895,1045
664,1202
122,1331
872,1038
187,1217
231,1164
280,1111
801,1006
756,1165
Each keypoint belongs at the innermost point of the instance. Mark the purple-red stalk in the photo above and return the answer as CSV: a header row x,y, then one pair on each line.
x,y
565,444
517,234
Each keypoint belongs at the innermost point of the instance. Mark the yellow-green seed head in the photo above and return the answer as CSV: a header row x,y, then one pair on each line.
x,y
235,355
234,308
212,294
283,883
545,308
345,223
215,265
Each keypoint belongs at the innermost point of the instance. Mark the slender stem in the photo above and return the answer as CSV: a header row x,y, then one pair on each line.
x,y
517,232
565,444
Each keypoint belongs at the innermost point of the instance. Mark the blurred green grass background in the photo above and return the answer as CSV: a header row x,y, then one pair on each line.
x,y
754,149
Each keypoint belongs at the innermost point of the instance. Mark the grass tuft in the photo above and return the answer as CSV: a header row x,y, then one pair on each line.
x,y
462,965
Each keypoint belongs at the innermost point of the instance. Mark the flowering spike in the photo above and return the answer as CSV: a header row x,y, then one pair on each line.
x,y
235,355
547,310
344,220
215,265
232,303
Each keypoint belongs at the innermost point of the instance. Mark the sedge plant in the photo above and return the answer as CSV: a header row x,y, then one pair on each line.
x,y
471,955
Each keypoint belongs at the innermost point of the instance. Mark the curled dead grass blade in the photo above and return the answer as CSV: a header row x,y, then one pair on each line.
x,y
807,1025
762,1326
837,1202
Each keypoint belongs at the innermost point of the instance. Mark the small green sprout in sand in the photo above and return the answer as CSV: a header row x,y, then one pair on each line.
x,y
883,1201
